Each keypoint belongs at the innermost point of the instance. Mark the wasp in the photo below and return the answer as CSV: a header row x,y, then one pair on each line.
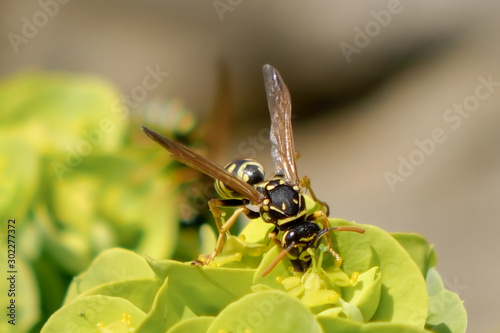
x,y
279,200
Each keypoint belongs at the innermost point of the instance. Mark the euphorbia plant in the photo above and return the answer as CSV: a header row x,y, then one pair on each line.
x,y
387,283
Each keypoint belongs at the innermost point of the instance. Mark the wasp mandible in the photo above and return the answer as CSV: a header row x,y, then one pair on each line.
x,y
280,200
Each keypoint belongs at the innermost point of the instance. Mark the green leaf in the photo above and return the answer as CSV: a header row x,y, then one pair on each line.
x,y
277,275
418,248
391,328
338,277
403,296
333,323
265,311
256,231
87,314
140,292
239,253
351,312
434,282
336,324
205,290
365,292
166,311
446,311
193,325
115,265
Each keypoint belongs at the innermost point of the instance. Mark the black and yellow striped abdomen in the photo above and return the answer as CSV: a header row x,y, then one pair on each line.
x,y
250,171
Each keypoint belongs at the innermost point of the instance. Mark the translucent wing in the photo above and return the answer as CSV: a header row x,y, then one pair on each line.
x,y
204,165
280,108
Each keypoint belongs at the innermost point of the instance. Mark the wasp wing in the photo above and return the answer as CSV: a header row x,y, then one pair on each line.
x,y
280,108
204,165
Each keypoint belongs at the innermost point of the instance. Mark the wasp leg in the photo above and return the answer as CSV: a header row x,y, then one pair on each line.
x,y
251,214
305,182
223,229
273,236
324,220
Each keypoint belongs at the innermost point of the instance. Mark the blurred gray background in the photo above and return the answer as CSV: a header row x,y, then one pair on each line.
x,y
357,113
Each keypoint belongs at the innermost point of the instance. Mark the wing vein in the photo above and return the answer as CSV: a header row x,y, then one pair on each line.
x,y
280,109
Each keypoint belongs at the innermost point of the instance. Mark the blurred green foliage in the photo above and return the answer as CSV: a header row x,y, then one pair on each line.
x,y
76,183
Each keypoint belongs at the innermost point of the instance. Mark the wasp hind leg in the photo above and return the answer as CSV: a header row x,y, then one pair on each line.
x,y
305,182
223,227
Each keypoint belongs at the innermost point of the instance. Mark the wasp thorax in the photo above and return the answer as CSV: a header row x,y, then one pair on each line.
x,y
250,171
283,203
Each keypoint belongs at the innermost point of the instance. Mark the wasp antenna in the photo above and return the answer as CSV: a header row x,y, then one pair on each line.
x,y
276,260
348,228
324,232
342,228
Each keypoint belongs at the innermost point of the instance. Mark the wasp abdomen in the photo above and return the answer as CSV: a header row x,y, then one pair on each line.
x,y
250,171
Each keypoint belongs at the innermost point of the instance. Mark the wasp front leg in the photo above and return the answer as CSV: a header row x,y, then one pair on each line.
x,y
326,225
223,227
273,237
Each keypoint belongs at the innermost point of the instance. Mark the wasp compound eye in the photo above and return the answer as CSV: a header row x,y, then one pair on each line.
x,y
291,237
